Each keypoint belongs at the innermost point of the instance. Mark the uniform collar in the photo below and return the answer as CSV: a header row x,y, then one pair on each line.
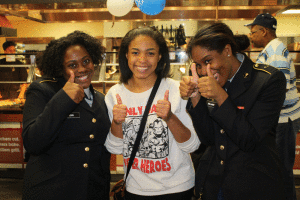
x,y
241,80
241,58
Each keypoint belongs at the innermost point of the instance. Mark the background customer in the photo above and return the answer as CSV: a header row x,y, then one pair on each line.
x,y
275,53
11,90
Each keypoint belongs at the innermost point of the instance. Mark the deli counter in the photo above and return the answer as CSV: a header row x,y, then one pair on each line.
x,y
16,73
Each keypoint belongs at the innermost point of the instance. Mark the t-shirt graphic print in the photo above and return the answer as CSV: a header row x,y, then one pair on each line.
x,y
155,140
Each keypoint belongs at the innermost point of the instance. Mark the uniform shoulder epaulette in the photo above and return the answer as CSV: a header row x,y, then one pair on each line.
x,y
54,80
265,68
99,91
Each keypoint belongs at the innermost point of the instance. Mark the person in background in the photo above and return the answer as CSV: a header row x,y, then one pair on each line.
x,y
162,168
275,53
65,124
235,105
9,47
11,90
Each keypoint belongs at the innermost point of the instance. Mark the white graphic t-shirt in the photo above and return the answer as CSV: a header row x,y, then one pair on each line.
x,y
162,165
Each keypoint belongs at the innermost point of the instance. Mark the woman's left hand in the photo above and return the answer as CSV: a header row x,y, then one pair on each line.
x,y
211,89
163,107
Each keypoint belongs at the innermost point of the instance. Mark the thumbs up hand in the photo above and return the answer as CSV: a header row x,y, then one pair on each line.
x,y
188,84
72,77
73,90
119,111
194,79
163,107
209,86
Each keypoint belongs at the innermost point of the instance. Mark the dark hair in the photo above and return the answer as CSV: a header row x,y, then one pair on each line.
x,y
38,60
242,41
163,66
7,44
215,37
51,62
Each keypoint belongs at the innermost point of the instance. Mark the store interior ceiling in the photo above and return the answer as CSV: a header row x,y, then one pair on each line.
x,y
96,10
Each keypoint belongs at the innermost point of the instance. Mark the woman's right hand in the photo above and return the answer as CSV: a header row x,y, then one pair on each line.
x,y
74,90
119,111
188,85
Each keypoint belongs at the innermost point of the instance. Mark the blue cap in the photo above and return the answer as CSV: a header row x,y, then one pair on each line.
x,y
265,20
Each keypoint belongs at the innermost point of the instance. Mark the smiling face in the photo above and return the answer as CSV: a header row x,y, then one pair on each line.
x,y
143,57
220,63
80,62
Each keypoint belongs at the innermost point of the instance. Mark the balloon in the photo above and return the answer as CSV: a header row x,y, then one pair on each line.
x,y
151,7
119,8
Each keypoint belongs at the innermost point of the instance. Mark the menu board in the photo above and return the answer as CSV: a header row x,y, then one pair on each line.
x,y
11,147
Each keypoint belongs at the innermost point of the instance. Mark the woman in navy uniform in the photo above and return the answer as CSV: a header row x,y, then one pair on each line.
x,y
236,122
65,124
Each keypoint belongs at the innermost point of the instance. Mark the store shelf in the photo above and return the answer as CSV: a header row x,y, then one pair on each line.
x,y
28,66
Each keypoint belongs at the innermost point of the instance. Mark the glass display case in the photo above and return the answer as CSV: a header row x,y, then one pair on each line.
x,y
16,73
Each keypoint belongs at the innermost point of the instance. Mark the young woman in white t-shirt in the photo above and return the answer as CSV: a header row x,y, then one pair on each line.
x,y
162,167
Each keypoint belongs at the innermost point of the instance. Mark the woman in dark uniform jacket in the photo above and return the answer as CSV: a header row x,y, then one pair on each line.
x,y
238,126
64,132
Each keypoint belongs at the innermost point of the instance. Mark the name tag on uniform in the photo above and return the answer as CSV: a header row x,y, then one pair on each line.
x,y
211,104
74,115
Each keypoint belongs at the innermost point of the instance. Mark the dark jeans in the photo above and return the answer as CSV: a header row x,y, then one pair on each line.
x,y
186,195
286,143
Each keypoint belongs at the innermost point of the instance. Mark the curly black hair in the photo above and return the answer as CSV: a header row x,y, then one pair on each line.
x,y
51,61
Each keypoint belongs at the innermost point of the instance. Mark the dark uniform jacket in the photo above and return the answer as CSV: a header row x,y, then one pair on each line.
x,y
241,157
68,159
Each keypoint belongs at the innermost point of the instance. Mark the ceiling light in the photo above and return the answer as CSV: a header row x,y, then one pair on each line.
x,y
293,9
291,12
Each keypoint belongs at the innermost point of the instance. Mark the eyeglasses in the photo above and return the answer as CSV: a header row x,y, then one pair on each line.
x,y
251,33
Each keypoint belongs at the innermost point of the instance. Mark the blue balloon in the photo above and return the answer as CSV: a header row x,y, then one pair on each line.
x,y
151,7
